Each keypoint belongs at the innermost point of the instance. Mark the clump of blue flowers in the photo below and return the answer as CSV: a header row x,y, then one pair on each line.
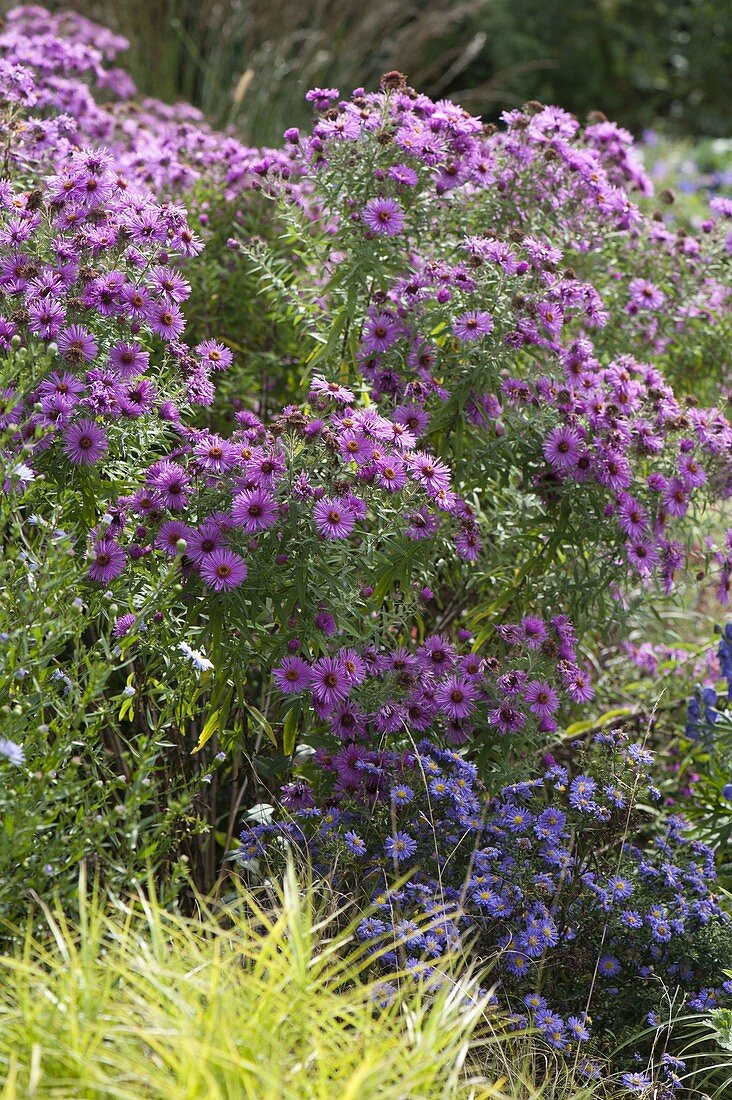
x,y
585,913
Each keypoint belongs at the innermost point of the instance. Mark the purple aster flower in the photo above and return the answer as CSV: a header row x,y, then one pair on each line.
x,y
329,681
384,216
632,516
400,846
609,966
354,843
204,540
643,555
581,792
128,360
472,325
646,295
534,631
170,534
223,569
636,1082
333,519
404,175
542,698
85,442
321,387
172,482
293,674
77,345
108,561
562,448
216,355
123,625
456,697
254,510
166,320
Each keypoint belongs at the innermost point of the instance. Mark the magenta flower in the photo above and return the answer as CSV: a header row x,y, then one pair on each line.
x,y
562,448
542,698
328,681
204,540
254,510
646,295
333,519
170,534
77,345
321,387
384,216
432,474
534,631
166,320
292,675
128,359
223,569
85,442
172,483
456,697
472,325
108,561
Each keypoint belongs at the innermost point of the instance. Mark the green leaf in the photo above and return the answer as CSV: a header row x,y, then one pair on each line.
x,y
261,721
211,727
289,729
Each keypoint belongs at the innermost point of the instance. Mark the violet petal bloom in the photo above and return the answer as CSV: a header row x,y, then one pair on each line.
x,y
108,561
562,448
204,540
85,442
321,386
472,325
456,697
534,631
170,534
77,345
254,510
383,216
333,519
293,674
542,698
400,846
223,569
329,681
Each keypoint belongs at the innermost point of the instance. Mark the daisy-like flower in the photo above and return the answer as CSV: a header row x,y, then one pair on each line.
x,y
542,698
166,320
85,442
609,966
293,674
333,519
170,534
197,659
128,360
456,697
216,355
223,569
328,681
354,843
204,540
254,510
472,325
400,846
77,345
11,752
322,387
108,561
646,295
432,474
384,216
562,448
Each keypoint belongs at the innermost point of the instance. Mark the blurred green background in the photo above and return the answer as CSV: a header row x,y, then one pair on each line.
x,y
644,63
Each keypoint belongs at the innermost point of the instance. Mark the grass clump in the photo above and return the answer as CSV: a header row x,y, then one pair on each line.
x,y
139,1002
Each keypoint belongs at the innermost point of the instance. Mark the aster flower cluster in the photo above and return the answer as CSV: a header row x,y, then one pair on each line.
x,y
369,694
270,504
536,336
541,878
